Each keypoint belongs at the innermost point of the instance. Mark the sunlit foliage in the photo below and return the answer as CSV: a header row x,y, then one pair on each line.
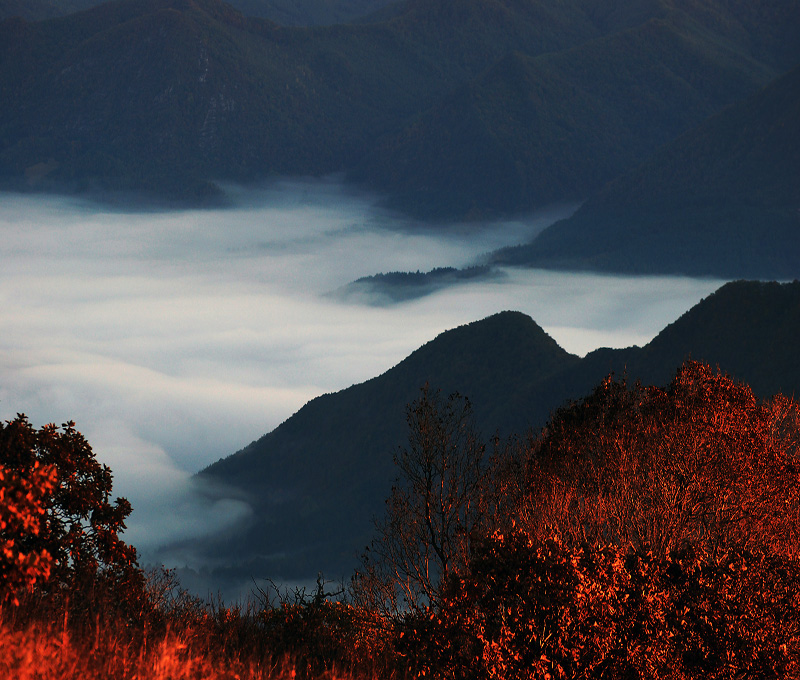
x,y
322,631
646,532
702,462
68,521
528,610
23,564
225,644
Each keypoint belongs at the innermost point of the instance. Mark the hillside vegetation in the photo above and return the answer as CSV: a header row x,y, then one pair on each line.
x,y
284,12
649,532
317,480
475,108
723,200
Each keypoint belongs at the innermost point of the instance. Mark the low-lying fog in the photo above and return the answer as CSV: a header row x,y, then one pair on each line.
x,y
176,338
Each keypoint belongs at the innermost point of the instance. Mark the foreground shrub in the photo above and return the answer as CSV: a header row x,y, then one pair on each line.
x,y
59,527
39,648
322,633
24,564
187,640
702,462
645,533
62,560
539,610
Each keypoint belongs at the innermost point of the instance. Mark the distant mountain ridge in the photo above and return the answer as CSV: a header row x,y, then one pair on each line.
x,y
723,200
284,12
556,126
474,108
316,481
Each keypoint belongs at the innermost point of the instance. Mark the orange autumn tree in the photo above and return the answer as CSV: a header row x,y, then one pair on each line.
x,y
702,462
654,533
23,564
59,528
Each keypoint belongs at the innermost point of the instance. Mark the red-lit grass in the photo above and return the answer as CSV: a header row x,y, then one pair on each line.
x,y
41,650
188,641
38,649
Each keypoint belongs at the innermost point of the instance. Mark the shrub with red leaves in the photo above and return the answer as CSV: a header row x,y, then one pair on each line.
x,y
529,610
23,563
56,517
653,533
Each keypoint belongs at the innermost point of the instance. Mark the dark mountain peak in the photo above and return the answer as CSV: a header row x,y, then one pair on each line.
x,y
721,200
498,354
494,347
333,457
316,481
506,324
165,96
741,309
749,328
137,13
753,294
749,152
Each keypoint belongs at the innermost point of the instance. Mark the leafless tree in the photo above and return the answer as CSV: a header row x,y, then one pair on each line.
x,y
434,506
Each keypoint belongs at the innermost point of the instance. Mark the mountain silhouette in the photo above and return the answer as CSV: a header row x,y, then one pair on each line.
x,y
721,200
467,109
316,482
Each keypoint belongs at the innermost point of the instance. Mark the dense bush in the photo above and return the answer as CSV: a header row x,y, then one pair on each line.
x,y
58,513
540,610
701,462
323,633
23,563
645,533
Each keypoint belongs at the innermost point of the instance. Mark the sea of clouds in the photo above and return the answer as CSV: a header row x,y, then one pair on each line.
x,y
174,338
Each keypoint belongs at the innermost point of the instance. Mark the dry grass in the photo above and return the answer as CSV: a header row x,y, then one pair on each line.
x,y
39,650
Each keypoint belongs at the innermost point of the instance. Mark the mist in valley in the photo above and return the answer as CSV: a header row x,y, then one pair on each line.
x,y
175,338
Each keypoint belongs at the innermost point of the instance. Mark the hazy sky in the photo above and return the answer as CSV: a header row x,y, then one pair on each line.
x,y
177,338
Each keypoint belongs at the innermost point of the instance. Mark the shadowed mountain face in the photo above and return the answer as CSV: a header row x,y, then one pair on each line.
x,y
316,481
34,10
480,107
284,12
533,130
723,200
330,466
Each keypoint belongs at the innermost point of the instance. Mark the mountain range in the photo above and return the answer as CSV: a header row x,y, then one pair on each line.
x,y
723,199
316,482
475,108
285,12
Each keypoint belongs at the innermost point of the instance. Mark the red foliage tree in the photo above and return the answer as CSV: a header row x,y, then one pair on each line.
x,y
700,462
654,533
23,564
530,610
57,510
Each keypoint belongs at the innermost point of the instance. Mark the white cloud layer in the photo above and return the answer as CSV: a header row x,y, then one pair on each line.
x,y
176,338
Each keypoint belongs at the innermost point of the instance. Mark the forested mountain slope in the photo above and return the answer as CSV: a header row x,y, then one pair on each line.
x,y
284,12
317,480
33,10
479,107
723,200
536,130
328,466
